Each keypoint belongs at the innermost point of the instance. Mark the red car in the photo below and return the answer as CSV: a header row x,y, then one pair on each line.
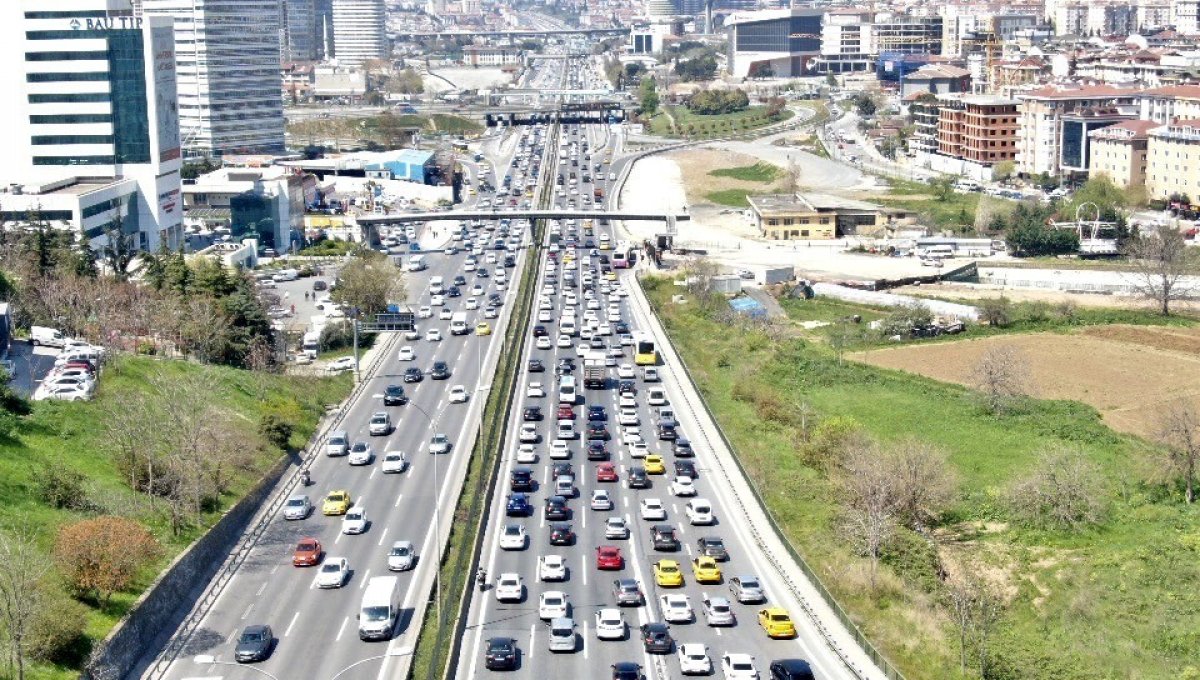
x,y
308,553
565,412
606,472
609,557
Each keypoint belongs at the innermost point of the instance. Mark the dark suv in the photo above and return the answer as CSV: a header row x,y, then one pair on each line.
x,y
656,638
521,479
394,395
440,371
556,508
638,479
501,654
791,669
683,448
664,538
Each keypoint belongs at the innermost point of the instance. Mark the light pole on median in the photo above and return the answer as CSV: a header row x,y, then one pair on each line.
x,y
437,515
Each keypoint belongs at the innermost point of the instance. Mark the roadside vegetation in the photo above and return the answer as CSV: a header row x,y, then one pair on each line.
x,y
75,477
971,531
759,172
678,121
936,205
386,130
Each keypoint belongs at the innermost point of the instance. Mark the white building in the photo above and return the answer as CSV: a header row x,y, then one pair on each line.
x,y
230,87
358,31
1185,16
266,204
90,122
781,42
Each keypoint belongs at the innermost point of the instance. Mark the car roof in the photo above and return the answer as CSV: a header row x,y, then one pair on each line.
x,y
792,665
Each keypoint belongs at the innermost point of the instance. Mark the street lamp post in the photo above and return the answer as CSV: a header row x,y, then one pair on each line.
x,y
354,314
437,520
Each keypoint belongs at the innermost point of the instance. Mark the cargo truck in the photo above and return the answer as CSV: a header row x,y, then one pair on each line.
x,y
595,373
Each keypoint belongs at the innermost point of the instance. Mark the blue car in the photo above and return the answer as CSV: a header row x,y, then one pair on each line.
x,y
518,505
596,414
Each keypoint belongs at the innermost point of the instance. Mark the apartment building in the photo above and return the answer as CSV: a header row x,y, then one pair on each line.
x,y
847,41
1185,16
1040,112
358,31
1074,159
1165,104
908,34
1119,152
974,133
1173,161
924,108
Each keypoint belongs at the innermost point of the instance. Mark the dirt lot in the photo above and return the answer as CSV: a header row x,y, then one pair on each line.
x,y
1127,373
695,164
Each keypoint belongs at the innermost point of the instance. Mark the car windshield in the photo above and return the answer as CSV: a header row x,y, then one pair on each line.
x,y
375,613
400,551
296,502
307,547
331,567
253,636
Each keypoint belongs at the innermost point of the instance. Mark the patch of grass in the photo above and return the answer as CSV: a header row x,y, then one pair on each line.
x,y
455,125
1119,600
70,437
734,198
759,172
329,247
688,124
956,211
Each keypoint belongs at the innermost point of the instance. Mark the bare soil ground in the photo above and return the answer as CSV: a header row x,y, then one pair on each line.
x,y
1127,373
695,164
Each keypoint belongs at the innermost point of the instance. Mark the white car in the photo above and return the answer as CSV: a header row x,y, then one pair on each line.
x,y
526,454
361,454
439,443
433,335
630,434
676,608
343,364
458,394
354,521
693,659
616,528
652,509
529,433
64,392
543,342
535,390
738,667
604,329
490,312
509,588
512,537
407,353
559,450
471,303
552,605
445,314
552,568
402,556
544,316
334,573
638,449
683,486
425,312
394,461
437,300
610,624
699,511
601,500
564,341
628,416
627,401
297,507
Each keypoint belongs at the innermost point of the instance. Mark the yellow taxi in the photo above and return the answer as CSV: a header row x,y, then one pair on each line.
x,y
336,503
611,275
705,570
654,465
776,622
484,328
667,574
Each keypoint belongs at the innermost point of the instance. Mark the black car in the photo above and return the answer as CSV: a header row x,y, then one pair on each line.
x,y
521,479
566,363
597,431
536,366
320,285
453,291
561,468
685,468
663,536
501,654
714,547
620,328
532,413
656,638
540,331
626,387
556,508
561,534
638,479
440,371
510,261
626,670
254,644
597,414
482,273
683,448
667,431
596,451
460,280
393,395
791,669
413,375
494,300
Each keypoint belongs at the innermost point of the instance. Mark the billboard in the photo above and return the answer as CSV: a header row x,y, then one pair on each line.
x,y
166,102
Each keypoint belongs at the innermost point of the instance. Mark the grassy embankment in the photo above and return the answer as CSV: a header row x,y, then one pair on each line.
x,y
70,437
760,173
1118,600
697,126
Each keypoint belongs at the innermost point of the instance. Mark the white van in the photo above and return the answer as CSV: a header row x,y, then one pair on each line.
x,y
46,337
285,275
416,263
566,428
311,344
437,285
562,635
656,396
380,608
567,392
458,324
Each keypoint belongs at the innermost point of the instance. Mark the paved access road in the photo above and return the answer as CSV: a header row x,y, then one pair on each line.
x,y
589,589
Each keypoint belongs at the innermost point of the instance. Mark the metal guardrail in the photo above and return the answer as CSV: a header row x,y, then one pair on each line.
x,y
868,648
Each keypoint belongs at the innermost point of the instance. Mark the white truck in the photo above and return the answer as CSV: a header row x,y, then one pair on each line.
x,y
458,324
46,337
380,608
311,344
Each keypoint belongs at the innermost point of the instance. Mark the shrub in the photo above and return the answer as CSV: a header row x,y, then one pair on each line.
x,y
275,430
62,488
996,311
57,634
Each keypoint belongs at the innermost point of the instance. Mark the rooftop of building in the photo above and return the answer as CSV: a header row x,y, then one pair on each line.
x,y
1174,92
930,71
1074,91
807,202
1127,129
66,186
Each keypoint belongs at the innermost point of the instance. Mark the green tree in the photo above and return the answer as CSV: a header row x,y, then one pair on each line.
x,y
1003,170
865,103
369,282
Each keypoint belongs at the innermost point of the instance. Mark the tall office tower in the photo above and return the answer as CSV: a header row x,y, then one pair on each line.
x,y
661,8
358,31
299,30
230,87
91,132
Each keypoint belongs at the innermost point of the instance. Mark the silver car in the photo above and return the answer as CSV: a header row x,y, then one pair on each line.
x,y
338,443
381,424
402,556
297,507
440,443
747,589
718,611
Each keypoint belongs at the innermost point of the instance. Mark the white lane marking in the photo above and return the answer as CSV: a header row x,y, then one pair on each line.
x,y
363,582
372,475
291,623
399,496
247,612
583,572
532,636
342,629
261,589
339,537
688,549
585,639
384,533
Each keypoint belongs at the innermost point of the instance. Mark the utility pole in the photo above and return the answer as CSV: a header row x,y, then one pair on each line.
x,y
354,317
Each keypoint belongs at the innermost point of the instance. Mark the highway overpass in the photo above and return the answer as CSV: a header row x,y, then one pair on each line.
x,y
514,214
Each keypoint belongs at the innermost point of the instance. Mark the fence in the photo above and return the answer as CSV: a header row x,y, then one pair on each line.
x,y
869,649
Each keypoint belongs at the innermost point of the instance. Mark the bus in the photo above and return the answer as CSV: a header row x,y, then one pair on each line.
x,y
645,353
620,260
